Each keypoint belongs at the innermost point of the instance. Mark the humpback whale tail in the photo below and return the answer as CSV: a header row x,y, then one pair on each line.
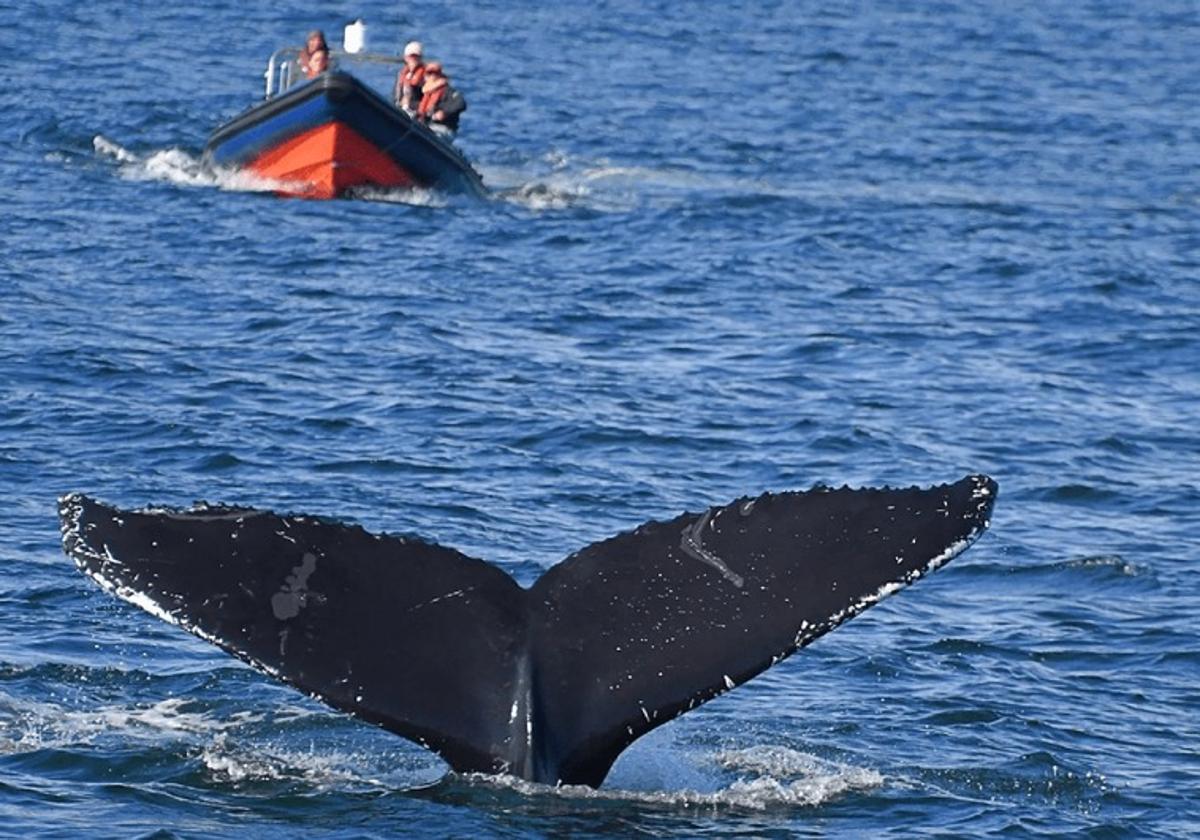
x,y
549,683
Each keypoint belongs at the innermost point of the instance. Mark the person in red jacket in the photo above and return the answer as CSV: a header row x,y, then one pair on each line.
x,y
441,105
407,93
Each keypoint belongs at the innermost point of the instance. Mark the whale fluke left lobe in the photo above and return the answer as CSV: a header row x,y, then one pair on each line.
x,y
415,637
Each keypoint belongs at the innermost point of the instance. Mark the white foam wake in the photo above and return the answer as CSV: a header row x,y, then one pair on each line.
x,y
176,166
766,777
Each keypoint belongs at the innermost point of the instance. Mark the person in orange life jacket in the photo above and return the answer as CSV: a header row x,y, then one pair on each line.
x,y
313,44
407,93
441,105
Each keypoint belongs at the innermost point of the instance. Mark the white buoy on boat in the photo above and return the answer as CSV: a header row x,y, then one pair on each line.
x,y
355,38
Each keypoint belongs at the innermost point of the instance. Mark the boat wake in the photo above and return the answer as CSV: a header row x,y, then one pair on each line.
x,y
542,195
176,166
558,181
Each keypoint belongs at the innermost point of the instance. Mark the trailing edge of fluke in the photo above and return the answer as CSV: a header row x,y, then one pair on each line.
x,y
549,683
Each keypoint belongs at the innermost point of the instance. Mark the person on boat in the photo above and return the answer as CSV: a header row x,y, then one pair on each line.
x,y
441,105
313,44
407,93
317,64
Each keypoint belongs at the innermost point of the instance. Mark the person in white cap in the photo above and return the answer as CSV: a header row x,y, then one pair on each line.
x,y
409,80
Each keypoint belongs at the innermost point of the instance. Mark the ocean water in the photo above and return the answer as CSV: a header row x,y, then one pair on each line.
x,y
731,248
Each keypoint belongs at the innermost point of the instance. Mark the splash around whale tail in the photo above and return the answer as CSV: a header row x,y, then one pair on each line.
x,y
550,683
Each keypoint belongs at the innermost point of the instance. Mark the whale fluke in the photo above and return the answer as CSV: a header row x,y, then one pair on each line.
x,y
549,683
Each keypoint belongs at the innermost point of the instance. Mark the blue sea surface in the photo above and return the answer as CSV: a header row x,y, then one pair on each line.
x,y
732,247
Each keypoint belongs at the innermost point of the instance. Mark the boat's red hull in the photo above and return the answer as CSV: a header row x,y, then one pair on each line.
x,y
325,161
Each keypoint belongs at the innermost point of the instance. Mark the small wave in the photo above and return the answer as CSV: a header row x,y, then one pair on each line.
x,y
1102,565
220,461
1110,562
962,717
966,647
1077,494
1036,776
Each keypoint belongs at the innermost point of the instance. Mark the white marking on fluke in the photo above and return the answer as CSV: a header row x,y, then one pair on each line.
x,y
291,598
692,543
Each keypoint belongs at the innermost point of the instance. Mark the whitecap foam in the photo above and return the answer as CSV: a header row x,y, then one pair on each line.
x,y
108,148
29,725
182,168
412,196
767,777
229,762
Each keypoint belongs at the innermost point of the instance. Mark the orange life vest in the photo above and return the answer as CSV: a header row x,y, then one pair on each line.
x,y
430,100
412,77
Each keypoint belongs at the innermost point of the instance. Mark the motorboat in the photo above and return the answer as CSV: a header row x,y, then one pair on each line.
x,y
332,135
